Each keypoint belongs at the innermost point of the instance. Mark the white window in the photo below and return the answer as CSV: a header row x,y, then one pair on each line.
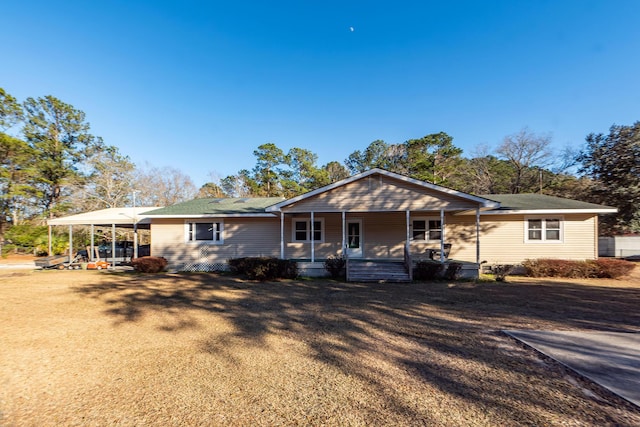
x,y
543,230
426,229
302,230
210,232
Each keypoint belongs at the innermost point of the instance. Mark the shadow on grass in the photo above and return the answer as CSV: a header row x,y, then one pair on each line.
x,y
443,335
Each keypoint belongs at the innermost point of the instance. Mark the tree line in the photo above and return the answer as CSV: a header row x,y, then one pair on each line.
x,y
53,165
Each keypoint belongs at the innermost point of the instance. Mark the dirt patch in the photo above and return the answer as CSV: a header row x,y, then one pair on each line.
x,y
17,259
101,348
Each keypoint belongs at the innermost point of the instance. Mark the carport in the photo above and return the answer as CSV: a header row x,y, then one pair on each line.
x,y
131,218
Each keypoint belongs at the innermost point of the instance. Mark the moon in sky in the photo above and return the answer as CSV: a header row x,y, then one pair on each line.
x,y
351,29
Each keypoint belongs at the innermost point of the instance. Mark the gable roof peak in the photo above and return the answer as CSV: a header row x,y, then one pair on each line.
x,y
378,171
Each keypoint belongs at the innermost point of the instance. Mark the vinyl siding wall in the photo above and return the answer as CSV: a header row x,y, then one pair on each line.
x,y
383,235
502,238
380,193
242,237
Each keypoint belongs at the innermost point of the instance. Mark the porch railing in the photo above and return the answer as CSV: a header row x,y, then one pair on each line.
x,y
408,264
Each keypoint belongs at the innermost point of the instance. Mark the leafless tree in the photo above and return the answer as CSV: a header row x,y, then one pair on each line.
x,y
525,151
109,182
163,186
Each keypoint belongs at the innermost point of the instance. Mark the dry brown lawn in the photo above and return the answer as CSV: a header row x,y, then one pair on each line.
x,y
98,348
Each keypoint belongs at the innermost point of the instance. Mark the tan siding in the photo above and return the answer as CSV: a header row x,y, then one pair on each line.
x,y
332,237
167,240
384,234
380,193
242,237
503,240
460,232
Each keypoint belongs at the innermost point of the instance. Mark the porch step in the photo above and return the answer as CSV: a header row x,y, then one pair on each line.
x,y
377,271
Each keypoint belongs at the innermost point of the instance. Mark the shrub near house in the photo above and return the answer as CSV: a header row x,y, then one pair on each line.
x,y
600,268
264,268
149,264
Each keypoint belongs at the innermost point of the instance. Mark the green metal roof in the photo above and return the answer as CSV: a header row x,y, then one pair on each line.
x,y
539,202
257,205
215,206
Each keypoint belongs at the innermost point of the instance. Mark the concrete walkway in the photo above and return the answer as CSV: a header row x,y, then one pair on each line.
x,y
610,359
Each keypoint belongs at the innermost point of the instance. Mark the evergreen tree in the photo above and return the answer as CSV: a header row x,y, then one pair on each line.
x,y
268,171
16,165
613,163
59,136
432,158
374,156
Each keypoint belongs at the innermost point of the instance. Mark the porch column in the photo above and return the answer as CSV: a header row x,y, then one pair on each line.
x,y
344,231
408,216
93,243
70,243
281,235
442,234
478,237
313,241
113,245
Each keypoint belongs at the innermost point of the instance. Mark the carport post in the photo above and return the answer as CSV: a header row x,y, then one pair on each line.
x,y
135,239
113,245
135,226
91,255
70,243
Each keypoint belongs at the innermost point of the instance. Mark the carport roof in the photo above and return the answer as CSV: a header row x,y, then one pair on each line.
x,y
118,216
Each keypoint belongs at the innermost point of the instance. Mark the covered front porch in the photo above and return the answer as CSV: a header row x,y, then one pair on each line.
x,y
380,216
380,246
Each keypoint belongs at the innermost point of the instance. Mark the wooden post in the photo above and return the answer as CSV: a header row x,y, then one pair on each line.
x,y
70,243
478,237
113,245
442,236
408,222
281,235
49,242
313,246
344,231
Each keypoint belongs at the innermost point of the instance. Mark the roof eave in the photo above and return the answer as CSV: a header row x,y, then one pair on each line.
x,y
542,211
221,215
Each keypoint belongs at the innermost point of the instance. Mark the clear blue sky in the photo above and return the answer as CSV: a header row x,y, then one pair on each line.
x,y
198,85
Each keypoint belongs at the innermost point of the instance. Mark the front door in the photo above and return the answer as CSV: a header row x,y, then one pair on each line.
x,y
354,238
